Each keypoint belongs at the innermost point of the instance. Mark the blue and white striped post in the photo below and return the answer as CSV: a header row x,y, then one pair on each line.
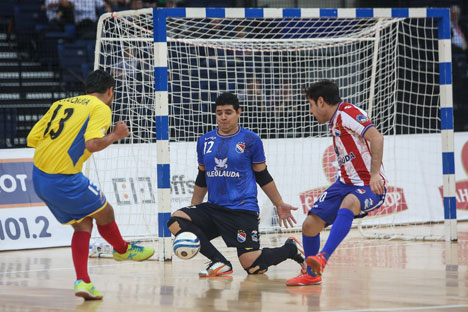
x,y
162,134
445,69
446,116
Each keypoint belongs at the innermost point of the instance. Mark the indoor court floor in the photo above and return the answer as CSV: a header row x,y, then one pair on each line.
x,y
362,275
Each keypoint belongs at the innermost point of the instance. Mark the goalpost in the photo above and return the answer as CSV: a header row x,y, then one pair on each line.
x,y
170,64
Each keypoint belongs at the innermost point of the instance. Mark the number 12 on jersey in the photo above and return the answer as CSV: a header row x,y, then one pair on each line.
x,y
207,147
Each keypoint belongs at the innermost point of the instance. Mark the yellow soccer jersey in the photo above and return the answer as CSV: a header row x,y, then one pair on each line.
x,y
60,135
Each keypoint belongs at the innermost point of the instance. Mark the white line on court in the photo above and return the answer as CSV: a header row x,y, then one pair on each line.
x,y
425,308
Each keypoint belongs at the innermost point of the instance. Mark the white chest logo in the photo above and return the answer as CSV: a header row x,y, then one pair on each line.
x,y
221,164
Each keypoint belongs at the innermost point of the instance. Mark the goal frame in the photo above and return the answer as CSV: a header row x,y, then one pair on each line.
x,y
160,15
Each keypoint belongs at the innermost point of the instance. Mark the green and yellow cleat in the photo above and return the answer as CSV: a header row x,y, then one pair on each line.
x,y
87,291
135,253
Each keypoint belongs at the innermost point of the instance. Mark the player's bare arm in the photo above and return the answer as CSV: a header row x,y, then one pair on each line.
x,y
198,191
120,131
376,145
284,209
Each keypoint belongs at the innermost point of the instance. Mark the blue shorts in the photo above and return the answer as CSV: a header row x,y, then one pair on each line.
x,y
328,204
70,197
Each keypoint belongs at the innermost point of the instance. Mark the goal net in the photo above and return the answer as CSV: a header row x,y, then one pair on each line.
x,y
389,66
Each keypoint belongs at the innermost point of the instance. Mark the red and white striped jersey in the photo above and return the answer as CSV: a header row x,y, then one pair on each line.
x,y
348,125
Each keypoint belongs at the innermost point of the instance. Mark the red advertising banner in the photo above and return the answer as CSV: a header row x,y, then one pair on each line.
x,y
461,188
394,201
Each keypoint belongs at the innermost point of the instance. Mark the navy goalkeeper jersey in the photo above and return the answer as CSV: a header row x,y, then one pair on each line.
x,y
228,163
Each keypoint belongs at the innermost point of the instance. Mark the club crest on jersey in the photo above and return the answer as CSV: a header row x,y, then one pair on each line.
x,y
336,132
360,191
240,147
362,118
241,236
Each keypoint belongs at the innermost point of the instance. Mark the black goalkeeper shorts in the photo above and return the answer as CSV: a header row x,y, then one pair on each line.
x,y
237,227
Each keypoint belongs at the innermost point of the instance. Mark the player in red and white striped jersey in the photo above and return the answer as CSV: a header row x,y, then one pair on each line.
x,y
349,125
361,185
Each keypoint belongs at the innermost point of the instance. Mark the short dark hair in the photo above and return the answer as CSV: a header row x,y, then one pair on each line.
x,y
99,82
327,89
227,98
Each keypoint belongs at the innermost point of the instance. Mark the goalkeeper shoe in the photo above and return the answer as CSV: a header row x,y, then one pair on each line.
x,y
87,291
304,279
134,252
317,263
216,269
299,256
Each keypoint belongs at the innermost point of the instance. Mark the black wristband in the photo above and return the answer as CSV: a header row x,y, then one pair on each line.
x,y
201,179
263,177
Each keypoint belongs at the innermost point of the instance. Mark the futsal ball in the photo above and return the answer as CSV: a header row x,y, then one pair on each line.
x,y
186,245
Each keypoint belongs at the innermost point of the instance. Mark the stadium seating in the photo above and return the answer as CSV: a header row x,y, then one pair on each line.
x,y
7,9
27,16
74,59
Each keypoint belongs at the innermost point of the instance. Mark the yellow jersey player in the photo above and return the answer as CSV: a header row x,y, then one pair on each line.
x,y
64,138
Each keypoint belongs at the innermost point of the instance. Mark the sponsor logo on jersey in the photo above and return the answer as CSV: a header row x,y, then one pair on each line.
x,y
254,236
221,164
362,118
348,106
360,191
226,174
210,138
240,147
344,159
220,170
241,236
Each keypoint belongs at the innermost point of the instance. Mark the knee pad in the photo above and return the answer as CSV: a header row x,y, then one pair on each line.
x,y
177,225
258,267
